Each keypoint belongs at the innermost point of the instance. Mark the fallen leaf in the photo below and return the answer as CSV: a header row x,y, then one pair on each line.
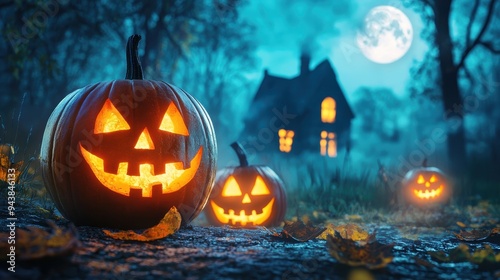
x,y
462,253
36,243
169,225
372,255
298,231
6,150
348,231
360,274
353,218
473,235
460,224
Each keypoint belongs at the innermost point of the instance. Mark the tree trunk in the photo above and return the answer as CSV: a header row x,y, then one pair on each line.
x,y
452,100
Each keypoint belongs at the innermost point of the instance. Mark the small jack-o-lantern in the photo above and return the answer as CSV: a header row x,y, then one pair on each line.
x,y
246,195
122,153
426,186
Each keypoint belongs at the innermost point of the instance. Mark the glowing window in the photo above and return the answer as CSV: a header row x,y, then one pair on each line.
x,y
286,140
328,110
328,144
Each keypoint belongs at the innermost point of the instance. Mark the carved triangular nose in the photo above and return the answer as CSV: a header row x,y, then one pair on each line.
x,y
246,199
144,142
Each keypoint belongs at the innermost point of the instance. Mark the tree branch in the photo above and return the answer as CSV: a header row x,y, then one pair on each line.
x,y
476,41
489,46
471,22
429,3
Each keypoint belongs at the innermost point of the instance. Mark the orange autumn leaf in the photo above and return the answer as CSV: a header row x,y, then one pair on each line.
x,y
298,231
36,243
462,225
169,225
348,231
6,150
485,256
372,255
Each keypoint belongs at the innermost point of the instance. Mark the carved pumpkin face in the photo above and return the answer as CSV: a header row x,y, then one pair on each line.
x,y
168,177
426,185
122,153
247,196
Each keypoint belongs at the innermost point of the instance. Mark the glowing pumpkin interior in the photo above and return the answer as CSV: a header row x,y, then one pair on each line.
x,y
110,120
428,189
242,207
426,185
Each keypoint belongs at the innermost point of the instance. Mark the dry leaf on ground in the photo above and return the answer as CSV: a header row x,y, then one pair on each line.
x,y
462,253
36,243
372,255
169,225
298,231
462,225
473,235
348,231
6,150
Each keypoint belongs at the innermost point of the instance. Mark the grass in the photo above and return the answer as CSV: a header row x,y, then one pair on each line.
x,y
332,189
321,191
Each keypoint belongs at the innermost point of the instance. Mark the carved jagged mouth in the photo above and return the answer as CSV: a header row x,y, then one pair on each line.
x,y
242,217
174,178
428,194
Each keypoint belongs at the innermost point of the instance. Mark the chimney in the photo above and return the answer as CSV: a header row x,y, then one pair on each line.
x,y
305,59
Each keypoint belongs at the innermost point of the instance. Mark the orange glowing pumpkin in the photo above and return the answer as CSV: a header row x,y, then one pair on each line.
x,y
247,195
122,153
426,186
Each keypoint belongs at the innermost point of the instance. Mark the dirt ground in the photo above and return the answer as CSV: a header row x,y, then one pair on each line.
x,y
203,252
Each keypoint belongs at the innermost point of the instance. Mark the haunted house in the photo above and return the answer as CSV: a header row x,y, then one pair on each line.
x,y
307,113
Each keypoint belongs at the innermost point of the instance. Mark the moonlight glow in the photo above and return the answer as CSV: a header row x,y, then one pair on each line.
x,y
386,34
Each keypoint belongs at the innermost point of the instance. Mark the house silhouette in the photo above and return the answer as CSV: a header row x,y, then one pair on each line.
x,y
307,113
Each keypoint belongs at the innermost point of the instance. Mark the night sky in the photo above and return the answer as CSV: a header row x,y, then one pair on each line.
x,y
395,107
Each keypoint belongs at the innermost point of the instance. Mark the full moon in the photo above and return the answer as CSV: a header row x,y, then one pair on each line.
x,y
386,35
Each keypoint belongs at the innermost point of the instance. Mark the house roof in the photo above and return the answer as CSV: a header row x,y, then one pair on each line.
x,y
290,92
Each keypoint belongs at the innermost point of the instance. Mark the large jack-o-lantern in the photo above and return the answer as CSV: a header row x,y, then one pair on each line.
x,y
426,186
246,195
122,153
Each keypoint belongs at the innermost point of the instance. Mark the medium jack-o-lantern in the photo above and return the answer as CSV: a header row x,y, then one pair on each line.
x,y
426,186
122,153
246,195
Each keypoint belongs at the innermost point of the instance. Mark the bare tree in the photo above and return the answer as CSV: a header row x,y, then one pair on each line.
x,y
438,12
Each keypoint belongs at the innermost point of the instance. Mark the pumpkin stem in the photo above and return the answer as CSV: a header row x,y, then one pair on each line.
x,y
424,162
134,69
242,156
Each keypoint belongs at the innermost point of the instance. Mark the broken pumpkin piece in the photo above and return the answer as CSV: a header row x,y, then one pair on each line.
x,y
372,255
485,256
34,243
169,225
298,231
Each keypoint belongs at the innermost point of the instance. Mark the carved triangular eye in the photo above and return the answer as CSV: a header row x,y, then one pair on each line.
x,y
173,122
433,179
109,119
260,187
231,188
420,179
